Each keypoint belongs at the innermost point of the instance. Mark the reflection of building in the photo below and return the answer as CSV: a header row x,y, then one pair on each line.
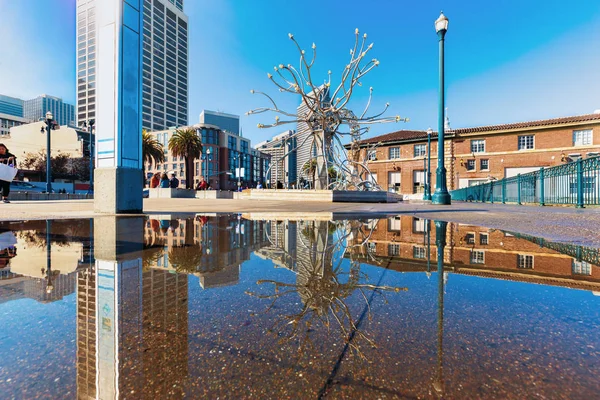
x,y
473,250
282,236
141,345
214,246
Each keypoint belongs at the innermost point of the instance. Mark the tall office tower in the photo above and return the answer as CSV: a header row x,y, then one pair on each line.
x,y
227,122
63,113
11,106
306,150
282,169
165,63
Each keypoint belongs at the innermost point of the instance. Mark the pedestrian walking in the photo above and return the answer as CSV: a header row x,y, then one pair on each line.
x,y
10,160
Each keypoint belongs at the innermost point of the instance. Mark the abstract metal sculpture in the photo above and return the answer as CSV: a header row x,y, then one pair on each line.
x,y
327,113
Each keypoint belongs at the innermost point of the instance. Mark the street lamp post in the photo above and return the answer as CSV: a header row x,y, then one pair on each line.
x,y
239,171
49,126
206,158
441,195
427,195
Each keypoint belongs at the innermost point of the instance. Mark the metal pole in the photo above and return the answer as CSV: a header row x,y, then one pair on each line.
x,y
427,195
542,199
91,186
48,157
441,195
239,171
579,184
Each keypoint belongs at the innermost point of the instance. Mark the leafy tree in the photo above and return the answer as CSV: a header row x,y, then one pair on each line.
x,y
152,150
37,162
309,169
187,144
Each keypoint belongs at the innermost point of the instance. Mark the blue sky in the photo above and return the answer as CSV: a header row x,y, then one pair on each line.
x,y
506,61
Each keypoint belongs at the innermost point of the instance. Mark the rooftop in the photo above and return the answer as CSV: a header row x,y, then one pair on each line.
x,y
410,135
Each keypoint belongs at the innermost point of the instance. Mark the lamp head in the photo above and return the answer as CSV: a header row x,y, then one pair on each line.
x,y
91,122
429,132
441,24
49,116
208,151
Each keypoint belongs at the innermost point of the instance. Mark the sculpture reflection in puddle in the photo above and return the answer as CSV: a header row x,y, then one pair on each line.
x,y
325,284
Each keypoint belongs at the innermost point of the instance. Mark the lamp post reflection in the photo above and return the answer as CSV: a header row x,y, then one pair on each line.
x,y
440,241
49,284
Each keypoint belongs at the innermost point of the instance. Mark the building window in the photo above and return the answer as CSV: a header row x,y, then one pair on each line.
x,y
372,155
582,137
419,225
484,238
418,252
394,224
484,164
524,261
394,179
393,249
470,238
420,150
470,165
371,247
526,142
478,146
581,268
477,257
418,181
394,153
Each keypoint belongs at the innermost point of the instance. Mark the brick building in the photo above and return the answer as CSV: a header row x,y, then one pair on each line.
x,y
480,154
227,158
402,242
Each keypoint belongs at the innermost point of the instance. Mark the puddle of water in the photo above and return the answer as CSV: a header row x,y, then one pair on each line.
x,y
229,306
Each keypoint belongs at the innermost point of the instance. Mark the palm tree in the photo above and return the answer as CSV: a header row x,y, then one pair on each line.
x,y
309,169
152,151
187,144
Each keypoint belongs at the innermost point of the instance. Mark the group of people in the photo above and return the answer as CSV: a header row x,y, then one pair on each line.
x,y
161,180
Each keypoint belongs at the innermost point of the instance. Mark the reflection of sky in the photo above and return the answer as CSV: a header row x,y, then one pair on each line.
x,y
38,340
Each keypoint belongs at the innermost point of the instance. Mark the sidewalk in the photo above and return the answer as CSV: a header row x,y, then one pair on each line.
x,y
578,226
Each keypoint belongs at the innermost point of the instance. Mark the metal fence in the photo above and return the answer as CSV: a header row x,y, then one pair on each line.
x,y
576,183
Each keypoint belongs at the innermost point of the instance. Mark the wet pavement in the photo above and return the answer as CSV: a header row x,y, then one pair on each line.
x,y
238,306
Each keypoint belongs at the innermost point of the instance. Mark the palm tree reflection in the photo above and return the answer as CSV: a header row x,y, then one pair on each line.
x,y
325,285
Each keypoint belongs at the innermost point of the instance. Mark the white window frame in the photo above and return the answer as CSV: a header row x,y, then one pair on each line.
x,y
419,252
477,257
525,142
478,146
394,153
481,239
372,155
470,238
393,249
523,261
474,165
581,268
422,150
419,225
394,224
481,164
585,135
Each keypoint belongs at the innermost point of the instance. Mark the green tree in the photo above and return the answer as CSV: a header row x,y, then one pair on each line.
x,y
152,151
187,144
309,169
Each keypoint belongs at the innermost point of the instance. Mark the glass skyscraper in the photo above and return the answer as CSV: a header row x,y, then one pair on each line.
x,y
11,106
165,63
35,109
